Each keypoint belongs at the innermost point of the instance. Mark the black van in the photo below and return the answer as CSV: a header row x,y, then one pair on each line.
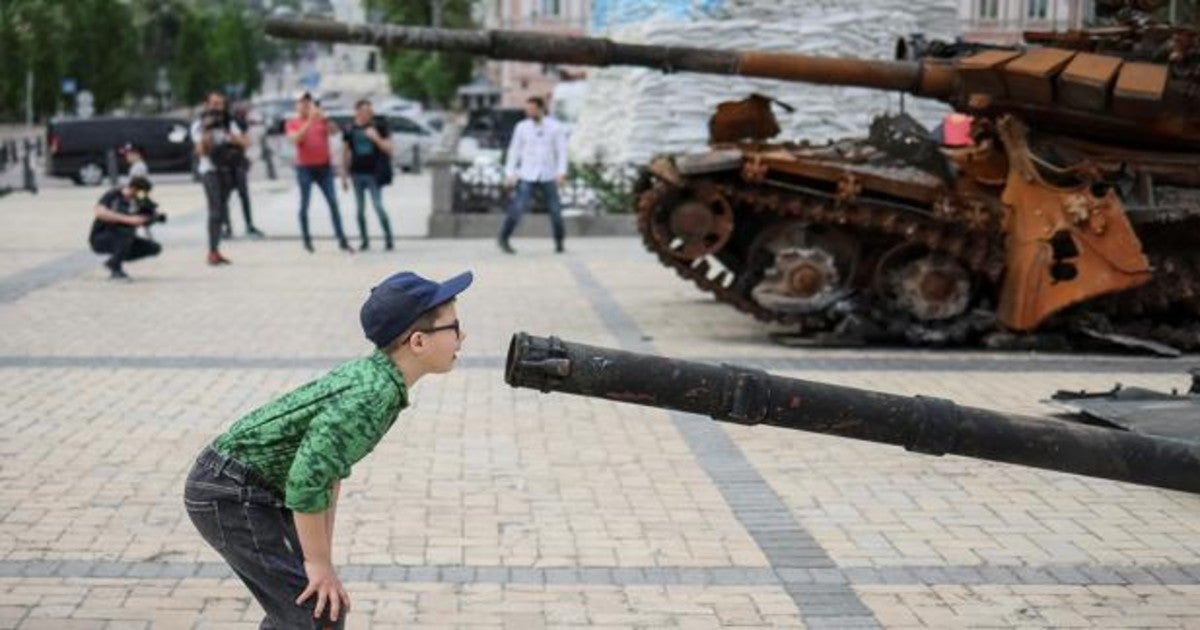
x,y
77,148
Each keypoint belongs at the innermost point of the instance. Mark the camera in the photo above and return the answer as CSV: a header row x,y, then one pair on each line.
x,y
212,119
148,208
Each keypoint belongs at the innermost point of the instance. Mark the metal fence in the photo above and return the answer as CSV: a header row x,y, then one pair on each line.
x,y
591,189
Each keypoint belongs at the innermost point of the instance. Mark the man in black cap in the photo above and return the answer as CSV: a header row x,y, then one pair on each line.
x,y
114,231
264,494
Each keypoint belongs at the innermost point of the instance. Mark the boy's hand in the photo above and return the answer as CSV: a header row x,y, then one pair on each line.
x,y
324,583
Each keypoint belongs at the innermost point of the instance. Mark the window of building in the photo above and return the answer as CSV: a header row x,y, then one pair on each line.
x,y
552,7
1037,9
987,9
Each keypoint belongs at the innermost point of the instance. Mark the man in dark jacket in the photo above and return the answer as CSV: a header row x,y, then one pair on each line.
x,y
114,231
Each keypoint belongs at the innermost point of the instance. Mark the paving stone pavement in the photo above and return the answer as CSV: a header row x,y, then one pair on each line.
x,y
502,508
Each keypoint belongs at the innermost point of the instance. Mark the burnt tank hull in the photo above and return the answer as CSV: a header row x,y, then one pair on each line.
x,y
1072,208
858,242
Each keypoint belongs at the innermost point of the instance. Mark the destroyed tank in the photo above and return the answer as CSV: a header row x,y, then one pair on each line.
x,y
1074,204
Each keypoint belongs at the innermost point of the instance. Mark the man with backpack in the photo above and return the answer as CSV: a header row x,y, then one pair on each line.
x,y
367,163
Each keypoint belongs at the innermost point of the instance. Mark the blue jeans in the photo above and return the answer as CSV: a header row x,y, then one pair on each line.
x,y
246,522
364,183
520,205
322,176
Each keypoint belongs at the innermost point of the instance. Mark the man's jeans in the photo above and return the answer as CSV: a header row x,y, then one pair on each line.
x,y
246,522
218,183
520,205
366,183
322,176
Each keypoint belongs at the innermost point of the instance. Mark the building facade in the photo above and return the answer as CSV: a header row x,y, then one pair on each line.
x,y
1003,21
518,81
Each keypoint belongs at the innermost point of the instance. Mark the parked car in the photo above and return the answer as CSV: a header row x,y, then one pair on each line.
x,y
493,128
78,148
271,113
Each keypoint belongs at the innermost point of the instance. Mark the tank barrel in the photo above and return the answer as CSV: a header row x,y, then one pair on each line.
x,y
923,79
922,424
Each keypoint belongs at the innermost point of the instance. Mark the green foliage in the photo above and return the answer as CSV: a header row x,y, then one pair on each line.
x,y
430,77
612,186
116,48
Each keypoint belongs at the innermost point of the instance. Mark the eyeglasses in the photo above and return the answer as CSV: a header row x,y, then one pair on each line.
x,y
454,325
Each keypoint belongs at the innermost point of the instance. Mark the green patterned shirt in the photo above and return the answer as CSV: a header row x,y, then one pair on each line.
x,y
309,438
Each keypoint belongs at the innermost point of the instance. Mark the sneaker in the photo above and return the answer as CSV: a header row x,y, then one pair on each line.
x,y
558,248
215,258
389,246
255,233
344,246
364,246
308,247
118,274
505,247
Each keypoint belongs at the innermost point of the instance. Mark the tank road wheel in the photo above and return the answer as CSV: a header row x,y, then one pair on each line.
x,y
927,286
805,268
696,223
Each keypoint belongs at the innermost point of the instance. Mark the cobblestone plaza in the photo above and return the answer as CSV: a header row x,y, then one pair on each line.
x,y
490,507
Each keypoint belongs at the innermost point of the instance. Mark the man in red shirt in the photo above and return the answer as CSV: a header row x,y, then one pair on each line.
x,y
309,131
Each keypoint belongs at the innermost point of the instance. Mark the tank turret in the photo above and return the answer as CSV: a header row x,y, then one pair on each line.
x,y
1103,93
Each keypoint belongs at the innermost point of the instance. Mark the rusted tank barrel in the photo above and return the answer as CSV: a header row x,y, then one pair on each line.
x,y
922,424
925,79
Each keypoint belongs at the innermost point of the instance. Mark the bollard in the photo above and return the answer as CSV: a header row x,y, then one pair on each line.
x,y
29,180
110,166
268,157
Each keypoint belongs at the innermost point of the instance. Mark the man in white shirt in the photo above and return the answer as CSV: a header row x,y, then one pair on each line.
x,y
537,159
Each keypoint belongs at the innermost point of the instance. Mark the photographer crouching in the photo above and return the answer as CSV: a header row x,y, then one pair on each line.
x,y
220,143
118,214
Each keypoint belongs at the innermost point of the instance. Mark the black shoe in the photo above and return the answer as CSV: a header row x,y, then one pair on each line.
x,y
505,247
254,232
364,246
118,274
344,246
389,246
558,247
308,247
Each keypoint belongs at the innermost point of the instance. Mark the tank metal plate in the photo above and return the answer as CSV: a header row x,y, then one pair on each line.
x,y
1140,410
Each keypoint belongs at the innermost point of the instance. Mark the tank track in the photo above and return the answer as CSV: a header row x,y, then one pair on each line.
x,y
1176,284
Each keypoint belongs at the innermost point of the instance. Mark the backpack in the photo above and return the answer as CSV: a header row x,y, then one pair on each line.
x,y
383,169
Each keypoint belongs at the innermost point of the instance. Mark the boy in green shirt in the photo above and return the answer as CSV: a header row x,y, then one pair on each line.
x,y
264,494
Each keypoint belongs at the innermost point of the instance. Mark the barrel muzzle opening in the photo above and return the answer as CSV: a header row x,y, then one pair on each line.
x,y
539,363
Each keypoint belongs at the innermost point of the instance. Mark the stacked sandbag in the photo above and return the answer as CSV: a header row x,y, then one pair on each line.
x,y
632,114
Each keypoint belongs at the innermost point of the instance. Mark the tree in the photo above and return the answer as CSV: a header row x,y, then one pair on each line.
x,y
30,41
190,74
116,48
431,77
103,49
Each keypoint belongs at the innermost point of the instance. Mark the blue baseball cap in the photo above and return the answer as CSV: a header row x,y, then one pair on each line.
x,y
396,303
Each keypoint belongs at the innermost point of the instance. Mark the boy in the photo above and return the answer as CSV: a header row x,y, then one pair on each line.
x,y
264,494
